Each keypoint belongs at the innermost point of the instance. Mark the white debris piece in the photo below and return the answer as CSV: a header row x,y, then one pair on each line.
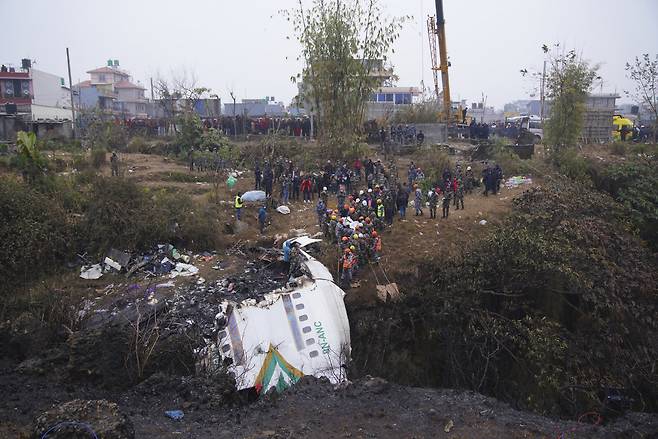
x,y
483,222
112,263
285,210
182,269
91,272
290,333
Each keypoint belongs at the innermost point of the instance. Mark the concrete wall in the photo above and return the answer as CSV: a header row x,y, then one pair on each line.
x,y
45,112
434,132
48,90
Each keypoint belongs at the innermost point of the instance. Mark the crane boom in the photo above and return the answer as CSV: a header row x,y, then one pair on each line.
x,y
437,30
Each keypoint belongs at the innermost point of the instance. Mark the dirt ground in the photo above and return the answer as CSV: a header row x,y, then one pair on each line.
x,y
406,243
369,408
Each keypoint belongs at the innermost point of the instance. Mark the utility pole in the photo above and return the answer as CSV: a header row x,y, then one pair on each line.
x,y
152,99
542,94
235,130
68,62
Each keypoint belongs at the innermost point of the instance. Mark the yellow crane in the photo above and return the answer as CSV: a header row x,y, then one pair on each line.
x,y
437,34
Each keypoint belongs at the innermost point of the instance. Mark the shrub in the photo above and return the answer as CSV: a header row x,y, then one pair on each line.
x,y
137,145
36,234
573,165
618,148
98,158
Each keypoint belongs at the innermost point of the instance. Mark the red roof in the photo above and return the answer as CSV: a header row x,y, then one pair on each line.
x,y
128,84
108,70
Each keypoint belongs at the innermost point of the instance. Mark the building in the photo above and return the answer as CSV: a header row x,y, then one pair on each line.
x,y
386,100
33,100
52,98
110,89
256,108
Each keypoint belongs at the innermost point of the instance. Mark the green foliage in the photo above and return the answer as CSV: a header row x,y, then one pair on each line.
x,y
36,233
555,305
568,83
137,145
619,148
191,130
103,133
510,161
644,73
342,42
29,160
635,185
568,162
98,157
424,112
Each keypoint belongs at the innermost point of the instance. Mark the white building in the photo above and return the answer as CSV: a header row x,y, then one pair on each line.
x,y
52,98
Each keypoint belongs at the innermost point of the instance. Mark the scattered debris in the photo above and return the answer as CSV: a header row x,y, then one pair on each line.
x,y
83,418
388,292
91,272
449,426
285,210
300,329
182,269
176,415
517,181
111,263
483,222
253,196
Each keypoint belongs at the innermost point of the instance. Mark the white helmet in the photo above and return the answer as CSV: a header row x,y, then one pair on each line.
x,y
358,200
324,188
360,235
370,190
468,168
429,194
364,203
361,192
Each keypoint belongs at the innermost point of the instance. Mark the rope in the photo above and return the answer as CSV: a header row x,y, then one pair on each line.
x,y
70,424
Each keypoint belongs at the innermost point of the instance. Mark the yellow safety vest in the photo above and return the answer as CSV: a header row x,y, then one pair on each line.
x,y
238,202
380,210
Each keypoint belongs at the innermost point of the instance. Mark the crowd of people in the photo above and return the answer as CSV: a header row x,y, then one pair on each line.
x,y
357,201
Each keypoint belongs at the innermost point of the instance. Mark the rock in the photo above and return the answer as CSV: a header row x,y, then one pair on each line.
x,y
77,419
376,385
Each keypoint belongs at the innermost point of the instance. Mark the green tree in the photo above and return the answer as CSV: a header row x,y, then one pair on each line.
x,y
30,161
191,131
644,73
568,83
344,42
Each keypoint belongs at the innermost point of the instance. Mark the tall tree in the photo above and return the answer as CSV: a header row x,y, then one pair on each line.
x,y
568,83
344,43
644,72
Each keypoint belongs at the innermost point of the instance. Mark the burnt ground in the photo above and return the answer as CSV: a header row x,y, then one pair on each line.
x,y
364,409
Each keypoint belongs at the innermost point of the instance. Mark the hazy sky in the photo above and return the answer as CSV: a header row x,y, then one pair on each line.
x,y
241,45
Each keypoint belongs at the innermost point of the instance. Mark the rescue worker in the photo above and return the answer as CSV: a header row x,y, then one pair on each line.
x,y
377,245
380,210
459,194
238,206
469,180
321,210
114,162
295,260
418,201
447,194
433,199
348,259
262,217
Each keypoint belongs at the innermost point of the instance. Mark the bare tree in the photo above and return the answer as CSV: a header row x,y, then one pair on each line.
x,y
644,72
177,94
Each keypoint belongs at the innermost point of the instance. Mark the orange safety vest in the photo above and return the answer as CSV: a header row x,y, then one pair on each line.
x,y
378,244
347,262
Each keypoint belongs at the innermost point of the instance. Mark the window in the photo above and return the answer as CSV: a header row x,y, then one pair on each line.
x,y
389,97
402,98
15,88
310,341
101,78
313,354
306,329
303,318
373,97
299,306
